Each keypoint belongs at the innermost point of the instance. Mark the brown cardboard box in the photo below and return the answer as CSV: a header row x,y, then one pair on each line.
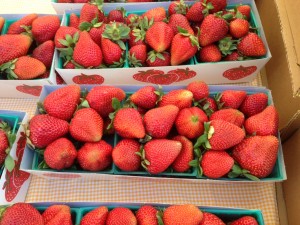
x,y
280,20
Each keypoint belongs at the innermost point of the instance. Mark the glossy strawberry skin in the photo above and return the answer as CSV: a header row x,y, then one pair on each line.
x,y
15,28
97,216
199,89
252,45
45,27
232,98
121,215
145,97
211,219
181,98
245,220
146,215
254,104
181,163
57,215
233,116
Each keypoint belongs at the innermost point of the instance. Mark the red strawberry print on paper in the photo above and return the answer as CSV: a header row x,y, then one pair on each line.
x,y
184,74
88,79
239,72
31,90
143,75
168,78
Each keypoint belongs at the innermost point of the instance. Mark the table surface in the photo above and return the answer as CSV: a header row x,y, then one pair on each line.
x,y
240,195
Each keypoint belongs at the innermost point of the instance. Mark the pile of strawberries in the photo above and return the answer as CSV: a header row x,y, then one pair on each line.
x,y
158,37
26,214
229,134
7,138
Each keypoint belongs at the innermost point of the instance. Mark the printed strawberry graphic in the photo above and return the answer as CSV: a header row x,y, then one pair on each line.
x,y
31,90
183,74
239,72
163,79
88,79
143,75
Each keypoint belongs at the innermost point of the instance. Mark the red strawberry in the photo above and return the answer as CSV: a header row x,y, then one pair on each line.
x,y
137,55
189,122
239,28
147,215
158,14
239,72
45,27
159,121
159,36
145,97
136,37
95,156
181,163
125,155
100,98
210,53
184,46
212,29
69,65
64,1
44,75
57,215
88,79
233,116
61,34
45,129
62,102
179,20
128,123
116,15
199,89
175,214
254,104
177,7
22,213
218,5
112,52
16,27
96,216
13,46
86,125
181,98
211,219
197,12
252,45
120,216
245,220
44,53
60,154
74,20
2,21
160,154
234,56
216,164
158,59
86,52
89,12
264,123
245,10
231,99
163,79
132,20
257,154
4,144
32,90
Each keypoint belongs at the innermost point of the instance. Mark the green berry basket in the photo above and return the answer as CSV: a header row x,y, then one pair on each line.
x,y
13,122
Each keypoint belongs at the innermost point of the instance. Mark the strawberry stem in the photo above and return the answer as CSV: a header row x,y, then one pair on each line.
x,y
237,171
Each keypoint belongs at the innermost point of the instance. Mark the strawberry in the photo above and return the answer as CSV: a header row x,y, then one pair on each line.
x,y
245,220
86,125
231,99
175,214
252,45
220,135
257,155
62,34
211,219
64,1
100,98
210,53
136,37
125,155
121,215
199,89
96,216
197,12
45,129
62,102
88,79
60,154
86,52
145,97
212,29
159,121
74,21
69,65
2,21
89,12
17,27
21,213
234,56
189,122
209,106
116,15
239,28
45,27
147,215
31,90
264,123
181,163
179,20
95,30
181,98
4,144
158,14
216,164
13,46
163,79
254,104
95,156
57,215
160,154
137,55
132,20
233,116
245,10
218,5
44,53
128,123
239,72
157,59
177,7
159,36
184,46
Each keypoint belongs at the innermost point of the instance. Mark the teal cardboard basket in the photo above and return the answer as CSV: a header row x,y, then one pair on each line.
x,y
13,122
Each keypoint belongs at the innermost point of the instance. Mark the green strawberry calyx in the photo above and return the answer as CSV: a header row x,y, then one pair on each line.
x,y
227,45
193,39
153,55
133,61
218,101
9,162
203,140
88,26
181,7
159,216
145,163
8,68
207,7
116,33
237,171
2,211
196,162
69,41
116,104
